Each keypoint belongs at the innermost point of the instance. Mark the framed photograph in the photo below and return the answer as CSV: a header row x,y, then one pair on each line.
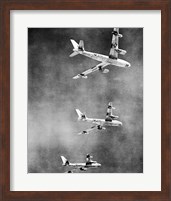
x,y
85,100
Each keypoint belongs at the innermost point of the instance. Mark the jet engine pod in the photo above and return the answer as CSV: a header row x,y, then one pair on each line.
x,y
85,132
83,76
120,51
82,169
99,127
105,71
69,171
113,117
117,34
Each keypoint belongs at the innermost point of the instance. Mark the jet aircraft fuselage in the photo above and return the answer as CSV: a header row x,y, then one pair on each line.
x,y
105,59
85,165
103,122
82,166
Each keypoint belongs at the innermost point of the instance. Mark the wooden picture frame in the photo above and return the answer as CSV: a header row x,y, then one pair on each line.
x,y
5,7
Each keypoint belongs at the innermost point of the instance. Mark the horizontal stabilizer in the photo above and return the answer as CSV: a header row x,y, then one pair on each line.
x,y
120,51
73,54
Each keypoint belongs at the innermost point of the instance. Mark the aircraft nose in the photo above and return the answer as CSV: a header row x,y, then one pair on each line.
x,y
120,123
128,65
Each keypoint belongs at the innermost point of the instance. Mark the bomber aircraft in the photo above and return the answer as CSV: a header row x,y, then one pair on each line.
x,y
100,124
81,166
112,59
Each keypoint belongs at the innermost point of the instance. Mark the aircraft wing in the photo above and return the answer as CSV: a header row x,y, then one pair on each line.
x,y
84,74
89,158
86,132
114,45
98,126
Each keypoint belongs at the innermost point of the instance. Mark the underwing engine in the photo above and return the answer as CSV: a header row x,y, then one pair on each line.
x,y
69,171
120,51
103,70
113,117
85,132
83,76
83,169
99,127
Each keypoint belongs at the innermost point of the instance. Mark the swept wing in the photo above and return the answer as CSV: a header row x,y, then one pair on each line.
x,y
97,126
109,115
114,44
87,131
109,109
84,74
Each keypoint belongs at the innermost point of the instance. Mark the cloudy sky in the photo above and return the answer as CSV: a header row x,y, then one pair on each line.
x,y
53,96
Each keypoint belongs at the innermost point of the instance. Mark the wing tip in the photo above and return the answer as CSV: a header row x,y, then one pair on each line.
x,y
80,76
76,77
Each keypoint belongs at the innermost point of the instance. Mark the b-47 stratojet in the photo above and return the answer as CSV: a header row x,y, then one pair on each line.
x,y
81,166
100,124
112,59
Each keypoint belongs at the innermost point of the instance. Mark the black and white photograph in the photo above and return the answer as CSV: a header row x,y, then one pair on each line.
x,y
85,100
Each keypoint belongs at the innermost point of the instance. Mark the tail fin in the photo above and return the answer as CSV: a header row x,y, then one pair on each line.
x,y
81,45
81,116
65,162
